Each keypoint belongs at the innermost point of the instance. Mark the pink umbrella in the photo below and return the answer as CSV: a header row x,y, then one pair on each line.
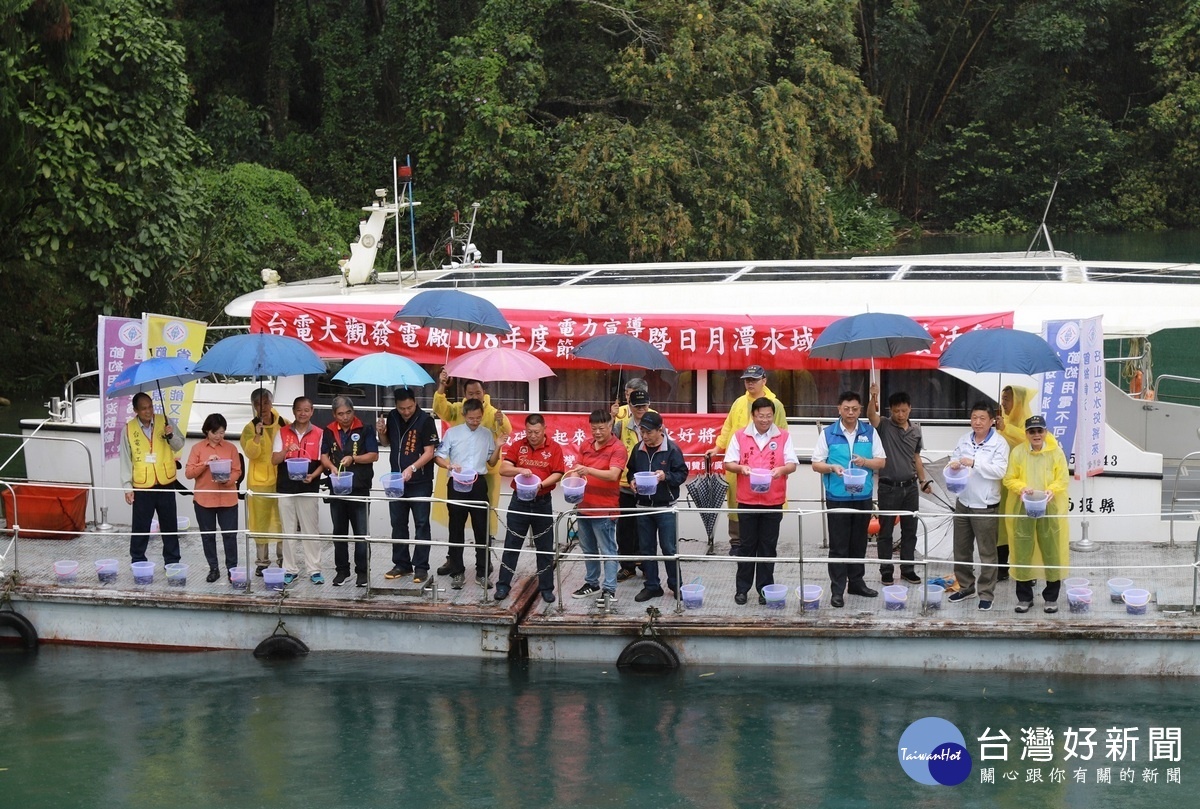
x,y
498,365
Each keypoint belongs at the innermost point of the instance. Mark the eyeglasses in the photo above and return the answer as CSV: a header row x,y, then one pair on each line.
x,y
1035,430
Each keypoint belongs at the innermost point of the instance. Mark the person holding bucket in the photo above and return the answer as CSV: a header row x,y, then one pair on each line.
x,y
350,446
661,461
533,457
602,462
1037,474
413,438
468,447
262,509
760,450
148,446
215,501
848,444
297,454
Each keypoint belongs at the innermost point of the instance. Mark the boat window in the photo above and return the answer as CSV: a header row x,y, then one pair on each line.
x,y
1182,274
582,391
830,273
645,275
813,394
980,273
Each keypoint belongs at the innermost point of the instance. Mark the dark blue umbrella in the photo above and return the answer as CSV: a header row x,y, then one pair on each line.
x,y
260,354
870,335
453,309
1001,351
154,374
623,350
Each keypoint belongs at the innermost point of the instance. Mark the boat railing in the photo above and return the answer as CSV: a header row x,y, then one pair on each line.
x,y
91,480
1176,499
1157,386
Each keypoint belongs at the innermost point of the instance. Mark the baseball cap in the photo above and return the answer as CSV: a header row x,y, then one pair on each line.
x,y
651,421
1035,421
639,398
754,372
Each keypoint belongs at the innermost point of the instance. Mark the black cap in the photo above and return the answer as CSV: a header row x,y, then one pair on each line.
x,y
639,398
754,372
1035,421
651,421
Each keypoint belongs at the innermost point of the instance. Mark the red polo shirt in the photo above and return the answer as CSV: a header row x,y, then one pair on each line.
x,y
543,461
602,493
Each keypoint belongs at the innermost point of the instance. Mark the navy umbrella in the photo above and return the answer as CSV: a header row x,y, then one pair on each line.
x,y
261,354
622,350
870,335
453,309
1002,351
154,374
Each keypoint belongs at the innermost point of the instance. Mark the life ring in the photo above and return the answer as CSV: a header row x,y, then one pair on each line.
x,y
22,626
648,654
281,647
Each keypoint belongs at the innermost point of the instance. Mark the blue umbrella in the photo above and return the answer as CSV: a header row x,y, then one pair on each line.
x,y
453,309
388,370
260,354
1003,351
622,350
154,374
870,335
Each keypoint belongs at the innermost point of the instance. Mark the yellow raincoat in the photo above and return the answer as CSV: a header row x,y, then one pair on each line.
x,y
1046,540
451,414
1014,434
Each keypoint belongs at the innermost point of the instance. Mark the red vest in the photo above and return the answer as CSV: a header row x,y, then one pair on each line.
x,y
769,457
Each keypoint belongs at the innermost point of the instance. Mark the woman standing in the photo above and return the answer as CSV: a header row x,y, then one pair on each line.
x,y
216,499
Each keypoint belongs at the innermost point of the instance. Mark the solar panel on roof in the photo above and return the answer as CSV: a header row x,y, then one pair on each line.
x,y
978,273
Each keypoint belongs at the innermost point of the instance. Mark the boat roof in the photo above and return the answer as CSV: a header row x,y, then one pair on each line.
x,y
1135,298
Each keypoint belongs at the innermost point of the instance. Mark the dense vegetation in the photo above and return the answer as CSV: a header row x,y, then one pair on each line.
x,y
156,155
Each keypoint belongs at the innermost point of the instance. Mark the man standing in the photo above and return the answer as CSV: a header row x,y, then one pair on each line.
x,y
976,524
262,513
453,414
762,446
349,446
848,443
148,446
412,435
629,430
532,455
468,447
299,511
755,380
1039,467
657,525
900,482
602,461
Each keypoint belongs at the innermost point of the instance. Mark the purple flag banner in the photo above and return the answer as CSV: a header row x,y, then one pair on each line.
x,y
119,344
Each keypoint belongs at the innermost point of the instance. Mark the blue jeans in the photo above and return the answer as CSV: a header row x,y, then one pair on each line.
x,y
655,531
599,534
348,515
400,509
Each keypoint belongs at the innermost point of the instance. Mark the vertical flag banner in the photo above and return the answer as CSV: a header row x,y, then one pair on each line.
x,y
1090,449
1073,399
175,337
119,342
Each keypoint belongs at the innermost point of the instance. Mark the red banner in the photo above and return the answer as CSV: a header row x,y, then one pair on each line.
x,y
703,341
694,433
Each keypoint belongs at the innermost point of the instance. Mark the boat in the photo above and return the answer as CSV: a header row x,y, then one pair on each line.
x,y
713,319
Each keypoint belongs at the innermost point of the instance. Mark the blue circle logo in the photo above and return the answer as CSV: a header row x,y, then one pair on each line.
x,y
933,751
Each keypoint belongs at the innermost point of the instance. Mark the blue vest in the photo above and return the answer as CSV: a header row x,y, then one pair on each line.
x,y
839,455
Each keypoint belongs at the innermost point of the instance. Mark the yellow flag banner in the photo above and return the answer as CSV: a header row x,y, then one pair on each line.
x,y
175,337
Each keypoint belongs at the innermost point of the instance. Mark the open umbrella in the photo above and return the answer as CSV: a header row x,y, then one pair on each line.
x,y
708,492
498,365
870,335
261,354
453,309
624,350
388,370
1001,351
154,374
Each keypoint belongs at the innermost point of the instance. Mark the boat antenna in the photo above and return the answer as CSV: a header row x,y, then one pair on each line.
x,y
1043,230
402,176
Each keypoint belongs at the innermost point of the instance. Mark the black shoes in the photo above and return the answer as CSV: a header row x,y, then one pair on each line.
x,y
911,577
762,599
648,593
447,569
548,597
836,600
739,598
213,575
862,590
502,591
397,573
340,579
360,580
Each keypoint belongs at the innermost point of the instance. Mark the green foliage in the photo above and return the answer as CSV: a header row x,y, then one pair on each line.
x,y
860,223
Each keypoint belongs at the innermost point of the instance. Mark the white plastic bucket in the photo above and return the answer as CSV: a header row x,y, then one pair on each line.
x,y
1117,587
760,480
854,479
776,596
220,469
933,596
177,574
237,578
1079,599
106,570
297,468
273,578
66,571
645,483
692,595
956,479
527,486
341,482
810,595
1136,600
573,489
1035,504
393,484
143,572
464,480
895,597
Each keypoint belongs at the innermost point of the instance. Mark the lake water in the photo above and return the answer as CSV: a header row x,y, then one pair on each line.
x,y
86,728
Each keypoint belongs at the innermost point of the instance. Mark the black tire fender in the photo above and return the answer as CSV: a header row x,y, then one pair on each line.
x,y
280,647
648,654
22,626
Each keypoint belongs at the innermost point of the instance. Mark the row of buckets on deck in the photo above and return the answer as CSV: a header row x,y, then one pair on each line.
x,y
67,571
895,597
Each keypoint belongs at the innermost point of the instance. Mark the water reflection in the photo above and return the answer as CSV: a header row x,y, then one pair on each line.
x,y
82,727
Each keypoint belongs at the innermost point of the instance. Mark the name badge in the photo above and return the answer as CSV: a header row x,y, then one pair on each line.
x,y
151,457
